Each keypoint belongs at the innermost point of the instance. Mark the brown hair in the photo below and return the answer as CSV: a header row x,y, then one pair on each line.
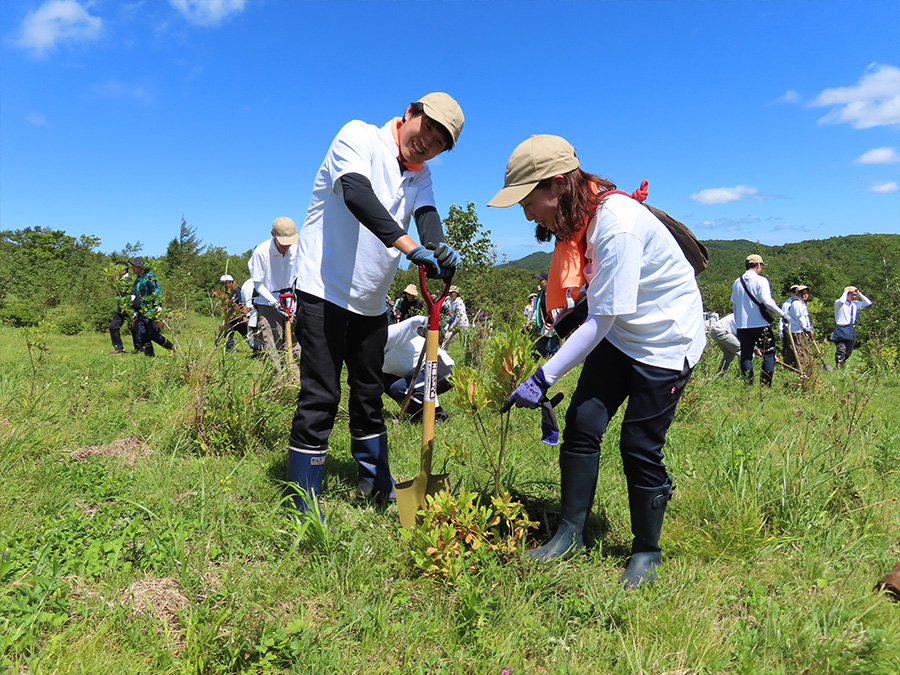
x,y
582,196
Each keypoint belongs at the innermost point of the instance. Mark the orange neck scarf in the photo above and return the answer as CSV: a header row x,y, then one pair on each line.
x,y
395,131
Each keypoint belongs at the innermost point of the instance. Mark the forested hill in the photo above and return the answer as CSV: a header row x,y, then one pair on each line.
x,y
864,260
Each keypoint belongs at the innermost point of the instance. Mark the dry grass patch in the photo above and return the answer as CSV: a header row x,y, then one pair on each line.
x,y
129,449
162,600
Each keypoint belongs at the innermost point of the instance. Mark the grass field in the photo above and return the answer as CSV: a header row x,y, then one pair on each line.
x,y
137,538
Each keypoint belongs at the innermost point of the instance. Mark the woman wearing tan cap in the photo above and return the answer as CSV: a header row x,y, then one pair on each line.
x,y
642,336
372,183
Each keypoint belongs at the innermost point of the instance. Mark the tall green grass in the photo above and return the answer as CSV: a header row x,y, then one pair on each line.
x,y
784,516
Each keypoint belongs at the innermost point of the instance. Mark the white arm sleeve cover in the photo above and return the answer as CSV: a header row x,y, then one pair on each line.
x,y
266,294
577,346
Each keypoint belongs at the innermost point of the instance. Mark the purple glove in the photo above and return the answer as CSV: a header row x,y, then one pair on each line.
x,y
529,393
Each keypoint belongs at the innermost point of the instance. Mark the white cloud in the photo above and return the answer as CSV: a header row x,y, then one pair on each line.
x,y
37,119
879,156
729,224
790,96
207,12
725,195
872,102
55,22
115,89
885,188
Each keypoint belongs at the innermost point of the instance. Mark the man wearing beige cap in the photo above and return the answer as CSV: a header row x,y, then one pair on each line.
x,y
273,268
372,184
846,312
797,327
751,296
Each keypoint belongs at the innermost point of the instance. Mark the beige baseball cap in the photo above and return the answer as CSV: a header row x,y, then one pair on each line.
x,y
755,259
541,156
453,289
444,110
802,288
284,230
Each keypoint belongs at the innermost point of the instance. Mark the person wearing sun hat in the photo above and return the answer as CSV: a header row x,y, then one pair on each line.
x,y
373,182
408,303
459,320
797,326
273,268
750,292
642,337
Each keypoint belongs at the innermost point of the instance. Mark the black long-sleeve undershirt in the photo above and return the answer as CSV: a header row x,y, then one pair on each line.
x,y
362,202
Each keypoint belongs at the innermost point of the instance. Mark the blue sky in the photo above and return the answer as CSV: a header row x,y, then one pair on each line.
x,y
769,121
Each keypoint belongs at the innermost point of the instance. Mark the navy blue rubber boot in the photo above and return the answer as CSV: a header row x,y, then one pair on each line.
x,y
648,506
306,467
578,480
371,453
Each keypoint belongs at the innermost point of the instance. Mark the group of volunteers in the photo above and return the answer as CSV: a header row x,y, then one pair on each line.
x,y
641,336
747,331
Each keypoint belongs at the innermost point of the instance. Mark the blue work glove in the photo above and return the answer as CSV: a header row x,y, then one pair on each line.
x,y
447,258
549,425
528,394
422,256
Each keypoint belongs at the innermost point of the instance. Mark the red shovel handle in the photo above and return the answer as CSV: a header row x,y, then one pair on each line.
x,y
287,302
434,307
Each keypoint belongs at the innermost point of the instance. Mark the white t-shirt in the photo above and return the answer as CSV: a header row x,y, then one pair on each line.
x,y
340,260
247,293
403,346
636,272
798,314
746,312
725,324
845,311
271,270
458,310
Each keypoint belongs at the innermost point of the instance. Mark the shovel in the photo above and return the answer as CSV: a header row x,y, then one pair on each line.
x,y
411,493
287,304
825,366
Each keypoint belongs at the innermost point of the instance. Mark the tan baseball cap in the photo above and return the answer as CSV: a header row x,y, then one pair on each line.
x,y
453,289
285,231
802,288
541,156
755,259
444,110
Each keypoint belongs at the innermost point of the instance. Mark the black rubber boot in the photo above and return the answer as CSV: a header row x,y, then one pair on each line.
x,y
648,505
578,480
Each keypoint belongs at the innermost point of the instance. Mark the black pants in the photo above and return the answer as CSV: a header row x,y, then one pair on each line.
x,y
146,334
115,327
237,326
750,339
608,377
330,336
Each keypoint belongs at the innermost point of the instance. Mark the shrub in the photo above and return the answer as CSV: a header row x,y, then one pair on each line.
x,y
69,324
19,316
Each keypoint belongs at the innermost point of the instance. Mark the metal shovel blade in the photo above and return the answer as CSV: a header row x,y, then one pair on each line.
x,y
411,495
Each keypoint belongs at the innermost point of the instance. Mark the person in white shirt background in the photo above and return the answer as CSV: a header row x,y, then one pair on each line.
x,y
273,268
797,327
642,337
846,313
748,292
459,320
724,334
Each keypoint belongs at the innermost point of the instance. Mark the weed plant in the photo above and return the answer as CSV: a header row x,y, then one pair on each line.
x,y
179,556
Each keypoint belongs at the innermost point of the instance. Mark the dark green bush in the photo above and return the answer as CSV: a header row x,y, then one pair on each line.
x,y
19,316
70,324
